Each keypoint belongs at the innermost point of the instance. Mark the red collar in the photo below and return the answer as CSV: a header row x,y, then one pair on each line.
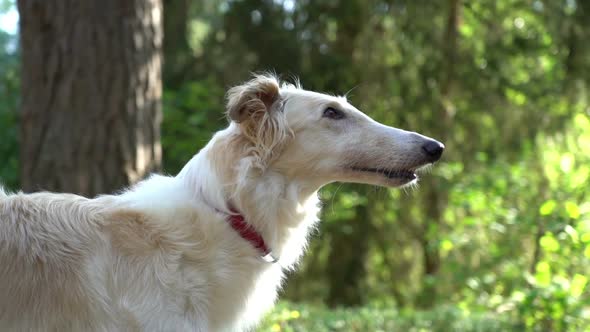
x,y
248,233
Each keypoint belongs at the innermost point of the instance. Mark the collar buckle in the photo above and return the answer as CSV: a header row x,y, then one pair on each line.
x,y
269,258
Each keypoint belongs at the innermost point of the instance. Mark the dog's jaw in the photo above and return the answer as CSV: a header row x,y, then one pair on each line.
x,y
383,177
402,176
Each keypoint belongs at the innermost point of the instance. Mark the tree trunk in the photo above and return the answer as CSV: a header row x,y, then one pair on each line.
x,y
347,260
91,87
177,53
435,196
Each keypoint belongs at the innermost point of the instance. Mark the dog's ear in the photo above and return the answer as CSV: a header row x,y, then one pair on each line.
x,y
263,129
252,98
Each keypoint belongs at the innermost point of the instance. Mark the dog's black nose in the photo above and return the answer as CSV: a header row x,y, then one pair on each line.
x,y
433,150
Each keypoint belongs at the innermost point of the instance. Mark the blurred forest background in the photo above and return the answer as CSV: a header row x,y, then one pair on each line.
x,y
497,236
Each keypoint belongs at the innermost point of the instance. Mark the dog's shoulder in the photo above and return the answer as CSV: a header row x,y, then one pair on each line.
x,y
152,215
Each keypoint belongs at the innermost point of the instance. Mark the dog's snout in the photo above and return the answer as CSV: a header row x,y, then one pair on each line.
x,y
433,150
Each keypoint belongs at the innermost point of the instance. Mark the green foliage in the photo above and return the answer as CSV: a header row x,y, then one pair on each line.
x,y
6,5
290,317
9,96
557,297
191,114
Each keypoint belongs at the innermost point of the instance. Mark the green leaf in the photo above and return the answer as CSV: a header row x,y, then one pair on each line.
x,y
515,96
567,162
572,233
549,243
466,30
578,284
543,274
548,207
446,245
572,209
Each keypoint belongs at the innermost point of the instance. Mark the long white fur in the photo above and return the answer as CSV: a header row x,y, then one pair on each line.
x,y
161,256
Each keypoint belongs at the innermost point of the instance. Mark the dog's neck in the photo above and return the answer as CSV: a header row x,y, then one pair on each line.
x,y
282,210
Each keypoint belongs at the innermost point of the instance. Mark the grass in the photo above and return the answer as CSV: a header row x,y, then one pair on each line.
x,y
292,317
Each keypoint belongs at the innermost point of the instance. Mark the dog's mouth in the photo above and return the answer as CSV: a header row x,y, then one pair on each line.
x,y
401,176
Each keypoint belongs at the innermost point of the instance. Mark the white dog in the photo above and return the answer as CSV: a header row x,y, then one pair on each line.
x,y
205,250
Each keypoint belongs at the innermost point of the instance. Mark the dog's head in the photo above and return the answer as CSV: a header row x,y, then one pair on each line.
x,y
317,138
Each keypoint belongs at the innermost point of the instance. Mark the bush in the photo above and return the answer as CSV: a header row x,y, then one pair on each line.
x,y
191,115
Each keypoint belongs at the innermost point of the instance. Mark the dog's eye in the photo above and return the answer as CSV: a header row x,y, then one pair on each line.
x,y
332,113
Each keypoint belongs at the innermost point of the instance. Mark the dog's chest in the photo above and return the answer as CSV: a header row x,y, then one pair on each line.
x,y
231,297
241,296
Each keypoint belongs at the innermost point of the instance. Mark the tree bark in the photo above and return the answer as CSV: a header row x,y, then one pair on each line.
x,y
91,87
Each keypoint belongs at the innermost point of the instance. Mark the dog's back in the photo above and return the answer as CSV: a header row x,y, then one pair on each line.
x,y
46,241
112,263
